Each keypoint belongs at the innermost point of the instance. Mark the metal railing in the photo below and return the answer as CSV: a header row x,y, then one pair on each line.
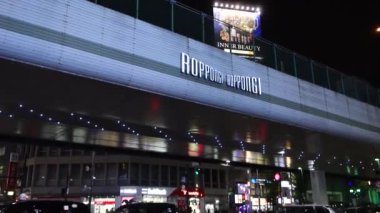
x,y
194,24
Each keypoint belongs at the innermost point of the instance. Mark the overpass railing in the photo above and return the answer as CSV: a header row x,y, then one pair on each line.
x,y
184,20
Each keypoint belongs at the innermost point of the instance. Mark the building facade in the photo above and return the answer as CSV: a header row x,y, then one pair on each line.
x,y
79,73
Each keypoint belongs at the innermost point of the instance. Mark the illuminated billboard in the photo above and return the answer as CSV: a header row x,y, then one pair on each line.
x,y
235,27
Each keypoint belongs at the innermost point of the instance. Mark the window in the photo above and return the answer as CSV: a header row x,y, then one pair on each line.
x,y
32,151
39,175
123,173
135,174
86,176
191,177
53,151
155,175
321,209
42,151
62,174
111,174
87,152
145,176
173,176
207,178
182,175
51,176
309,209
65,152
77,152
30,173
99,174
164,176
75,175
100,153
215,181
222,178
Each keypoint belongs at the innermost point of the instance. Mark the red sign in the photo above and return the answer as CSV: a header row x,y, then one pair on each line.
x,y
104,202
188,191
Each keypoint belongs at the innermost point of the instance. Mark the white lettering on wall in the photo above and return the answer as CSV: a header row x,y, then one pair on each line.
x,y
199,69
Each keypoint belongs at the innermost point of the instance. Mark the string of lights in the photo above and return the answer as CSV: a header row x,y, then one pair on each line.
x,y
237,7
22,111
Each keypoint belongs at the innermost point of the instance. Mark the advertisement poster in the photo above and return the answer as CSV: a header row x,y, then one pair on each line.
x,y
235,28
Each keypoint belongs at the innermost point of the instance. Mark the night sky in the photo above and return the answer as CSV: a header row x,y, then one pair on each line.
x,y
338,33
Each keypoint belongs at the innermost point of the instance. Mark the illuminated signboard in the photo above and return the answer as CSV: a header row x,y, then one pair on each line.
x,y
125,190
236,27
153,191
242,188
188,192
238,199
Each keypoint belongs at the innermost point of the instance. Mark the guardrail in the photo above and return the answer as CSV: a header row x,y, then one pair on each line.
x,y
194,24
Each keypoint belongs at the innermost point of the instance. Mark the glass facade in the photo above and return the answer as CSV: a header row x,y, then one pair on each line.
x,y
105,173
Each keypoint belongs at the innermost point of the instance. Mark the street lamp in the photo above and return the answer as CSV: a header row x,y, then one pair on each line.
x,y
378,31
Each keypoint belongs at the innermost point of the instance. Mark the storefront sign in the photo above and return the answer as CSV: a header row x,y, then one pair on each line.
x,y
193,193
104,201
201,70
126,191
153,191
188,191
136,190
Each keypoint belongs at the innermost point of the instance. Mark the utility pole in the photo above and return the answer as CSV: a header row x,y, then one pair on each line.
x,y
92,171
66,190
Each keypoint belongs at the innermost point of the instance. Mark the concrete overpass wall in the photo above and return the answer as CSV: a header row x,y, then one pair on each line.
x,y
81,38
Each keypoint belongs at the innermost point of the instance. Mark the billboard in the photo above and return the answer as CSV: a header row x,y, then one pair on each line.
x,y
235,27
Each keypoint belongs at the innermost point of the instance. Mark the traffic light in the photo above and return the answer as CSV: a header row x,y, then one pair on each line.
x,y
196,171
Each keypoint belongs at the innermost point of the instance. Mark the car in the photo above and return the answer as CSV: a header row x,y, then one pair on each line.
x,y
51,206
362,209
306,208
3,207
147,208
339,207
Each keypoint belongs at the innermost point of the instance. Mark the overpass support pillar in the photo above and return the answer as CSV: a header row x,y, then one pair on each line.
x,y
318,187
